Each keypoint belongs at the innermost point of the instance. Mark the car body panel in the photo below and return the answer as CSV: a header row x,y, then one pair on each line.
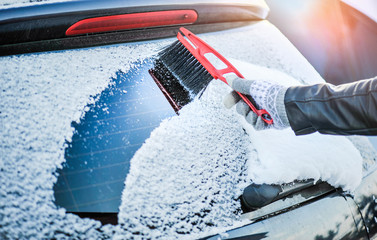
x,y
366,198
330,217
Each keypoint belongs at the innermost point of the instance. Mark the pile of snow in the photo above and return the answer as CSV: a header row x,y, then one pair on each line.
x,y
187,175
284,157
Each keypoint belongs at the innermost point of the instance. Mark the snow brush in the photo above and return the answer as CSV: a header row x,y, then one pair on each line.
x,y
185,68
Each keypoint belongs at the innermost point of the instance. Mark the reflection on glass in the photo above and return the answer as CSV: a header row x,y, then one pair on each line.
x,y
98,158
337,39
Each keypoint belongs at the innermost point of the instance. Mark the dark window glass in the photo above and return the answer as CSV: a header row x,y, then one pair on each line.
x,y
98,158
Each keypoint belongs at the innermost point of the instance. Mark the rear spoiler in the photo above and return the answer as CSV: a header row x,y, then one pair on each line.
x,y
43,27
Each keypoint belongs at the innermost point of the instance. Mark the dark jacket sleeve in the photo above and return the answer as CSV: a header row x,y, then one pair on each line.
x,y
345,109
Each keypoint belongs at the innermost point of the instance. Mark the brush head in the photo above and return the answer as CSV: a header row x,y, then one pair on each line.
x,y
185,68
173,90
179,75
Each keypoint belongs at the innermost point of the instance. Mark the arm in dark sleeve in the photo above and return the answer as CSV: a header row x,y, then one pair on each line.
x,y
345,109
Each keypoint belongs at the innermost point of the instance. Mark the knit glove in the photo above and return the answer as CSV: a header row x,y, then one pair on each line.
x,y
267,95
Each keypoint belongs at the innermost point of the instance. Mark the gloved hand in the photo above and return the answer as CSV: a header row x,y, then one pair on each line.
x,y
267,95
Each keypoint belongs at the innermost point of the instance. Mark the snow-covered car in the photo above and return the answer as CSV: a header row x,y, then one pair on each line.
x,y
91,148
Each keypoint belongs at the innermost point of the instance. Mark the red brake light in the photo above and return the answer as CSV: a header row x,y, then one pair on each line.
x,y
132,21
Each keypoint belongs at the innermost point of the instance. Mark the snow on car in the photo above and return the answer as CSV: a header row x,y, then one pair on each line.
x,y
186,173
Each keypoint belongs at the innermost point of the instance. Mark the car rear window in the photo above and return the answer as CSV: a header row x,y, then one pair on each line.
x,y
104,141
188,189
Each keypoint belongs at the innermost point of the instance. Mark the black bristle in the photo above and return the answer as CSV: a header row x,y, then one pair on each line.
x,y
175,89
180,73
185,67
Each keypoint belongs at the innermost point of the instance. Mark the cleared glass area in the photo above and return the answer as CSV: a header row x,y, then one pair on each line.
x,y
98,158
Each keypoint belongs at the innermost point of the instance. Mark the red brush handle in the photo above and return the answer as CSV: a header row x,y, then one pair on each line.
x,y
199,48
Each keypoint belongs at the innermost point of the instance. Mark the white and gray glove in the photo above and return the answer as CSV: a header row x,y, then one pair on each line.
x,y
267,95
